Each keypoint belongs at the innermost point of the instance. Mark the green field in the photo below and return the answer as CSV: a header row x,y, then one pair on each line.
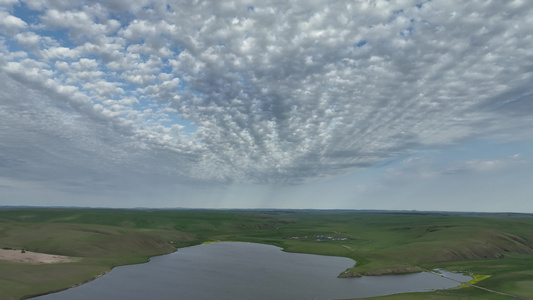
x,y
382,243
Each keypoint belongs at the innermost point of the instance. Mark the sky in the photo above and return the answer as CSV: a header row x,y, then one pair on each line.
x,y
396,105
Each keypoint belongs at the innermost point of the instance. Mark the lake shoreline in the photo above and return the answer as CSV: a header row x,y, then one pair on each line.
x,y
94,278
245,252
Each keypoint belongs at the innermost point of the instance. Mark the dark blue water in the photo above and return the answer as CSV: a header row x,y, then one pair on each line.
x,y
232,270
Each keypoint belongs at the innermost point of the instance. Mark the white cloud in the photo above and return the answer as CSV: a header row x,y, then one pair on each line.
x,y
81,24
10,24
8,2
279,93
54,53
28,39
52,4
104,88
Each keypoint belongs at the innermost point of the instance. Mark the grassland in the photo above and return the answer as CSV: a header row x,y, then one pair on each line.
x,y
382,243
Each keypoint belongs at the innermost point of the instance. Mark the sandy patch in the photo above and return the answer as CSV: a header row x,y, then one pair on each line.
x,y
32,257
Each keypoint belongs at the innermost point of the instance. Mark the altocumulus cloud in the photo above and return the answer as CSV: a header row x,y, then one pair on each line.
x,y
252,92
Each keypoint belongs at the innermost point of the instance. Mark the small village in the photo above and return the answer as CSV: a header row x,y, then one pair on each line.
x,y
318,238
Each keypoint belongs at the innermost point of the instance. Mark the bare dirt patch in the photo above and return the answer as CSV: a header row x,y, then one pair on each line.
x,y
32,257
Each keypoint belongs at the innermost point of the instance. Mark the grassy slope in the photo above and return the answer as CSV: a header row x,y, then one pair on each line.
x,y
381,243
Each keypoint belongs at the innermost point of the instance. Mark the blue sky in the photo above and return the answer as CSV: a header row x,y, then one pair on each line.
x,y
368,105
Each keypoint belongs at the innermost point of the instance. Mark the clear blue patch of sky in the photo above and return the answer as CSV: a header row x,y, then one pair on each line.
x,y
370,179
13,46
360,43
32,17
166,68
488,149
473,150
175,118
61,36
443,157
189,126
29,16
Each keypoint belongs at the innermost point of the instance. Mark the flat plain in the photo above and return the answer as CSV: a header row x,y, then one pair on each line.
x,y
497,248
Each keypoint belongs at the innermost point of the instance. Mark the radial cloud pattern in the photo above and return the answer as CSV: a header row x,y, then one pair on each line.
x,y
262,92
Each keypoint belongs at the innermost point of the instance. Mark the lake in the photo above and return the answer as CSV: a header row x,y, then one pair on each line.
x,y
235,270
